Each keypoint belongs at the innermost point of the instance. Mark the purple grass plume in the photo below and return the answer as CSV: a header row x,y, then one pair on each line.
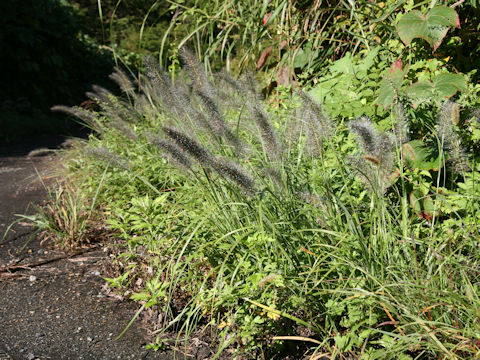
x,y
88,117
401,127
236,173
191,146
172,151
195,71
217,124
124,82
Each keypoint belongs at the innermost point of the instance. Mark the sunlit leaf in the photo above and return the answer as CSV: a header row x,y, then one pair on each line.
x,y
419,156
420,90
447,84
432,26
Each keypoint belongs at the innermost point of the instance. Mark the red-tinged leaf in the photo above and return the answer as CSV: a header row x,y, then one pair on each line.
x,y
283,44
397,73
444,15
396,66
264,57
432,26
387,93
265,18
391,84
283,76
447,84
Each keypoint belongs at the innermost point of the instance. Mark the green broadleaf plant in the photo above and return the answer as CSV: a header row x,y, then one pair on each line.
x,y
432,26
391,84
418,156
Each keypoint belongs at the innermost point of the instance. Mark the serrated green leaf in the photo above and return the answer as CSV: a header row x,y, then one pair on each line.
x,y
386,93
447,84
420,90
432,26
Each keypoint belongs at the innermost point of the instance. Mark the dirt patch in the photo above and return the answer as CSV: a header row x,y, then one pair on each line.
x,y
53,304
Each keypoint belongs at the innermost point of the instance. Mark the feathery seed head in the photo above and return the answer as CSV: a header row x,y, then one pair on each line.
x,y
158,85
227,78
319,126
191,146
111,105
376,165
247,87
195,70
173,152
123,81
367,134
218,125
213,113
106,155
102,94
401,127
444,124
448,118
170,96
385,145
268,133
88,117
234,172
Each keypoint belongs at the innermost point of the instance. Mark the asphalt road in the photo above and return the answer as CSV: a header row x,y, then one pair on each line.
x,y
55,309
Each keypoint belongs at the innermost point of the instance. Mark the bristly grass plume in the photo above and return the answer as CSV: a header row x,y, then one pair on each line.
x,y
124,82
401,128
191,146
89,118
448,118
173,152
376,164
319,126
195,70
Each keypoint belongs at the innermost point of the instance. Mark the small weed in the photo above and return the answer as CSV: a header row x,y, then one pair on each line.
x,y
68,217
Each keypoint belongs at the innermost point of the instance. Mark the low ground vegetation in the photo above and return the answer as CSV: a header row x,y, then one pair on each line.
x,y
273,222
344,218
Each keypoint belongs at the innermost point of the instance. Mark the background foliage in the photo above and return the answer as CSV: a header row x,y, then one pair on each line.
x,y
46,60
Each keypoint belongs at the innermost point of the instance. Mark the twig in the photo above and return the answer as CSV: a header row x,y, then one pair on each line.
x,y
7,276
28,266
459,2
